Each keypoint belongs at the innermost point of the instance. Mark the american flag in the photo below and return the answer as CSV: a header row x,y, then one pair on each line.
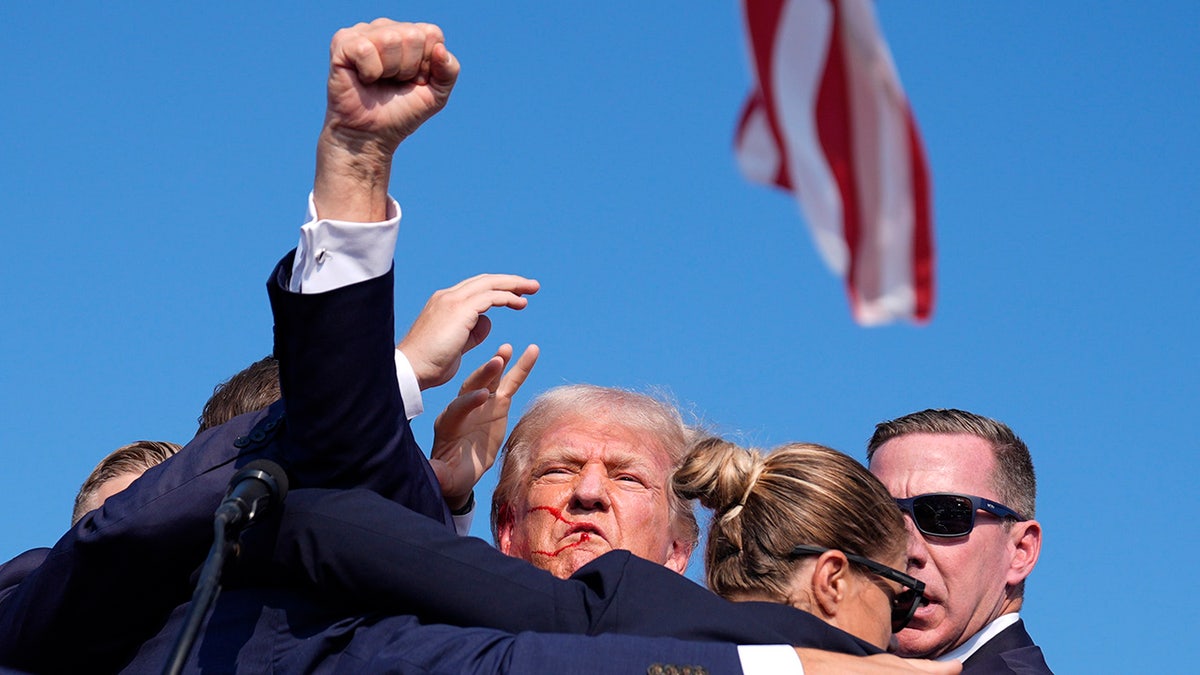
x,y
828,120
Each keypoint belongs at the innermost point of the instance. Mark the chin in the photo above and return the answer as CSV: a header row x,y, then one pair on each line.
x,y
915,643
582,556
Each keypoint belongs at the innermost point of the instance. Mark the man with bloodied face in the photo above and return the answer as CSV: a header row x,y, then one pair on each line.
x,y
587,470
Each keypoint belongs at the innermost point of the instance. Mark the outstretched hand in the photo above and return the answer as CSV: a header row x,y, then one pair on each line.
x,y
467,436
453,323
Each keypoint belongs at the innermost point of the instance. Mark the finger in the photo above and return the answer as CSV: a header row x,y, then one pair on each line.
x,y
512,283
483,298
483,376
482,292
515,377
443,71
432,38
478,334
485,301
409,52
352,49
505,353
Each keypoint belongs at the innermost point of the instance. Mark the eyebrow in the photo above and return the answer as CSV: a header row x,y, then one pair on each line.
x,y
627,460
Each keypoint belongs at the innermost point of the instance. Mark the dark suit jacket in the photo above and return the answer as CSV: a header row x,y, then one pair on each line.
x,y
1011,651
14,571
287,631
357,547
112,580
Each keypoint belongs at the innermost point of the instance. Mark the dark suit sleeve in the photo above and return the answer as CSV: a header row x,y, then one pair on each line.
x,y
345,418
396,645
356,545
112,578
602,654
13,572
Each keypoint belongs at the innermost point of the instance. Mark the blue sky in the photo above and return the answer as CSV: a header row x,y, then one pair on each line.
x,y
156,157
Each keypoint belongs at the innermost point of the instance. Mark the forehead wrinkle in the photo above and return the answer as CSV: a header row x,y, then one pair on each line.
x,y
614,448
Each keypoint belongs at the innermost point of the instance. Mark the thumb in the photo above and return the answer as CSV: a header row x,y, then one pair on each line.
x,y
479,333
443,72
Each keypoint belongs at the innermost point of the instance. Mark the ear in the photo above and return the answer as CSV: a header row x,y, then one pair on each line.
x,y
504,529
1025,543
677,559
830,583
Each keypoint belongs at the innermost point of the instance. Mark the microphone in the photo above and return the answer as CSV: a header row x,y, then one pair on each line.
x,y
259,486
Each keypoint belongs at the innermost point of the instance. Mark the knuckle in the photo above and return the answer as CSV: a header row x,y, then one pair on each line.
x,y
391,39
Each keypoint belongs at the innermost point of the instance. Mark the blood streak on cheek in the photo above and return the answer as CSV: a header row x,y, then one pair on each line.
x,y
552,511
583,536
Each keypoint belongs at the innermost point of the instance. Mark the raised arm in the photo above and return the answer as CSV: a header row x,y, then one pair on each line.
x,y
332,299
155,533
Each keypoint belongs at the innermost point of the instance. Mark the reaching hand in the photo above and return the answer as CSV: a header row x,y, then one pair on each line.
x,y
468,434
453,323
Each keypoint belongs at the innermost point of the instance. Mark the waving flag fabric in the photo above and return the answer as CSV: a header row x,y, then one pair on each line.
x,y
828,120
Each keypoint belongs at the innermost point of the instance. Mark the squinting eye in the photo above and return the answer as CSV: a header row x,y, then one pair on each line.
x,y
630,479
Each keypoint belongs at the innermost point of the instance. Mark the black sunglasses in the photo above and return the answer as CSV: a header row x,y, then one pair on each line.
x,y
904,603
945,514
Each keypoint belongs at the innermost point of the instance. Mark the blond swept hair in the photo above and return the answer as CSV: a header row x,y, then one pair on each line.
x,y
134,458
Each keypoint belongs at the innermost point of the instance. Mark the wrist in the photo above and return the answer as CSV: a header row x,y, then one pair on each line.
x,y
351,182
461,506
356,147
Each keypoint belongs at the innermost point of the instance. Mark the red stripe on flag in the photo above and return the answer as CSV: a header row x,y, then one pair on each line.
x,y
836,132
762,23
922,250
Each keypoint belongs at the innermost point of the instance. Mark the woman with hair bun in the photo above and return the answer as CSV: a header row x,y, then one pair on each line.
x,y
805,526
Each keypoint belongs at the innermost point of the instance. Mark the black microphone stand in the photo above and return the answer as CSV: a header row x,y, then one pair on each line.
x,y
207,588
232,516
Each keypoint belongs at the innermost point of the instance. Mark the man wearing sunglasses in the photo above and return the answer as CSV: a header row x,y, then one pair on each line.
x,y
967,487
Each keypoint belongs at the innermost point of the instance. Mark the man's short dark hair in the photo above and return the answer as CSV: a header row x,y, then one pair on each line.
x,y
254,388
1014,480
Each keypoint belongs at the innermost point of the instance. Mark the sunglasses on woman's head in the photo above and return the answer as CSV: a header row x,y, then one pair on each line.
x,y
904,603
946,514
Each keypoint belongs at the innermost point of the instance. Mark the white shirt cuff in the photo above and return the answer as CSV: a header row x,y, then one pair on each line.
x,y
335,253
758,659
410,389
462,524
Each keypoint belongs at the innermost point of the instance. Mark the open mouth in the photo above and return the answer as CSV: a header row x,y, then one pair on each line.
x,y
584,530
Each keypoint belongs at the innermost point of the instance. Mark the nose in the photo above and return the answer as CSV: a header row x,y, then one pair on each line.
x,y
591,489
918,554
